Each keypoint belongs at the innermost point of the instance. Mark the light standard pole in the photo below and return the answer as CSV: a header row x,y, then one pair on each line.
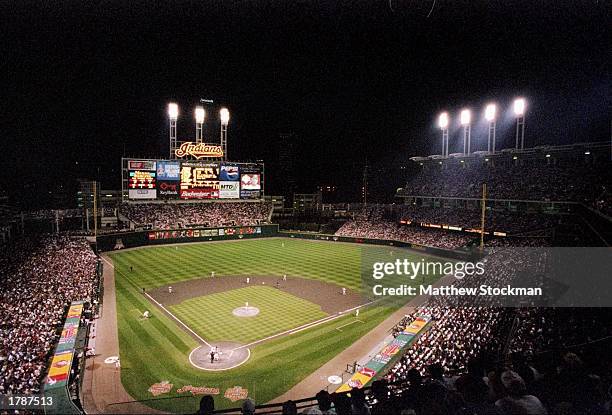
x,y
519,112
224,115
200,114
443,124
490,112
172,117
467,131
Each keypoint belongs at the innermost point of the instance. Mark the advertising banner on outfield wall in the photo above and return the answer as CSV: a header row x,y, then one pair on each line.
x,y
182,234
202,233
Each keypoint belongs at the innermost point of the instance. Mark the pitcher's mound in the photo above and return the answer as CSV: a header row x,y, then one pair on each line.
x,y
227,356
245,311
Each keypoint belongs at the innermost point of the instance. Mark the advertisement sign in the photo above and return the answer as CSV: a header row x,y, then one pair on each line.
x,y
229,173
64,352
250,182
191,180
229,190
59,369
199,181
168,189
183,234
168,170
142,194
139,179
141,165
383,357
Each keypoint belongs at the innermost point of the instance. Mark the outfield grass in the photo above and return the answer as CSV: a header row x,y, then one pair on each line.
x,y
211,315
156,349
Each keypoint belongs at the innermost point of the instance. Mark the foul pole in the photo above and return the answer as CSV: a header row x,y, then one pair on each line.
x,y
482,215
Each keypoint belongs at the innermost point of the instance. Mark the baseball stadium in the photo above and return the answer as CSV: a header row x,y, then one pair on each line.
x,y
307,208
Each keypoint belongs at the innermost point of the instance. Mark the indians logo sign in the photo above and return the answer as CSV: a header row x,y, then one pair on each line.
x,y
198,150
236,393
161,387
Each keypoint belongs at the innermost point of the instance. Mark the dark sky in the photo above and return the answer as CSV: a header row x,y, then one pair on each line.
x,y
84,81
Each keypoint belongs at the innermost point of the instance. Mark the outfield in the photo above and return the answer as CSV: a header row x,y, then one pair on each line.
x,y
157,349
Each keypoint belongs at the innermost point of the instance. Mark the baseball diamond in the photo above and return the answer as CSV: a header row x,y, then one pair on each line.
x,y
294,333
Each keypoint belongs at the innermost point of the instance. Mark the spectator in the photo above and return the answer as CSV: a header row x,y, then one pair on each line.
x,y
207,405
517,402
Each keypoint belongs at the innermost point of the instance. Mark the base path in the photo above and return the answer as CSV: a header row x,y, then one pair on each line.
x,y
327,295
102,381
356,352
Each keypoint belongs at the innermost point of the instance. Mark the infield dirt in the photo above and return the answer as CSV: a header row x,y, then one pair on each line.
x,y
328,296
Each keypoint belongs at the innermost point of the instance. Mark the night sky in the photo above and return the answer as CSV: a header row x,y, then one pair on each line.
x,y
84,82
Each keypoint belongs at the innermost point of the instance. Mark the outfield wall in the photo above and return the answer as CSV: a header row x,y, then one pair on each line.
x,y
158,237
463,255
122,240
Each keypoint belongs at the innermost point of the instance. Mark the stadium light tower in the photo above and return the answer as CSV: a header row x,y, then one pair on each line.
x,y
224,115
466,117
490,113
172,117
443,124
200,114
519,112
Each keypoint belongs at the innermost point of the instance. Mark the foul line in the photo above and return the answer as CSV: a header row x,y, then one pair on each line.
x,y
348,324
305,326
163,308
177,319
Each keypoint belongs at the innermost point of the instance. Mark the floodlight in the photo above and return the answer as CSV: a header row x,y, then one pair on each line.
x,y
465,117
173,111
443,120
519,107
199,115
490,112
224,114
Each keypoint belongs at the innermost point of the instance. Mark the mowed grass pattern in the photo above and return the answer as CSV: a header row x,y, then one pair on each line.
x,y
157,349
160,266
211,316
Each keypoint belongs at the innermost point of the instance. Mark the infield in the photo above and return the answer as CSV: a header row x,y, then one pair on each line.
x,y
212,317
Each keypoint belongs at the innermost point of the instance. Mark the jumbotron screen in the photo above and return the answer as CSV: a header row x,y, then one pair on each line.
x,y
191,180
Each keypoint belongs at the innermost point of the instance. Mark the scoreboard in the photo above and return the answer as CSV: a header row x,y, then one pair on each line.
x,y
190,180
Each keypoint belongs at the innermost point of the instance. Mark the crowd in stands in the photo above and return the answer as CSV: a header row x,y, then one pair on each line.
x,y
181,215
371,224
580,183
396,232
411,224
510,223
39,278
470,344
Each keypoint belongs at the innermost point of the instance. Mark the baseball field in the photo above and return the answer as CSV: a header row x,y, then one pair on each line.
x,y
195,294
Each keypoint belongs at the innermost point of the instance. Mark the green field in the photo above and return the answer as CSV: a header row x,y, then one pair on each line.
x,y
278,312
157,349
